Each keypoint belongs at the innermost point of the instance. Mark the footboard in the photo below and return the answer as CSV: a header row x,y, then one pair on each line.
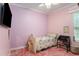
x,y
31,44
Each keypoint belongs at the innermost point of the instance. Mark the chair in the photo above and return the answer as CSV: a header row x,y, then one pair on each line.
x,y
75,47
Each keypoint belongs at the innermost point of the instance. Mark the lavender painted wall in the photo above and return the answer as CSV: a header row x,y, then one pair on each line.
x,y
25,22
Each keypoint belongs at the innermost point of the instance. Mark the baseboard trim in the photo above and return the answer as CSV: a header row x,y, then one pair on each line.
x,y
17,48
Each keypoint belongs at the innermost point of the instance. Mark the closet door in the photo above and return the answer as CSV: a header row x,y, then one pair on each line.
x,y
4,42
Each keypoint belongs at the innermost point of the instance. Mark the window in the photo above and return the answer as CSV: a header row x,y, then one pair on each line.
x,y
76,25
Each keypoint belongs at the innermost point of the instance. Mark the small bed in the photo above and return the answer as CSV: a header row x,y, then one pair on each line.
x,y
38,43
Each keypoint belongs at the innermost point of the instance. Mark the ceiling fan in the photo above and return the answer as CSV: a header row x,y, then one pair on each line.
x,y
48,5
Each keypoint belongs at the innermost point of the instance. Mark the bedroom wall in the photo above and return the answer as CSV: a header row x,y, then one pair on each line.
x,y
25,22
59,18
57,21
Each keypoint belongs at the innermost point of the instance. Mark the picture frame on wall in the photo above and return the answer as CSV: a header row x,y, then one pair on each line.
x,y
66,29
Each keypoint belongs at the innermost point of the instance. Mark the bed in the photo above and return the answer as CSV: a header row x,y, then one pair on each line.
x,y
38,43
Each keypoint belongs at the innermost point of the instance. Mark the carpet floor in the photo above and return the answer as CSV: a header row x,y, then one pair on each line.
x,y
54,51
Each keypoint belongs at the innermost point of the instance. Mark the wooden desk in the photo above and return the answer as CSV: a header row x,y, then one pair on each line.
x,y
64,41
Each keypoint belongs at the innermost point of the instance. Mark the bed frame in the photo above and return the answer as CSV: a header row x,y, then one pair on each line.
x,y
34,46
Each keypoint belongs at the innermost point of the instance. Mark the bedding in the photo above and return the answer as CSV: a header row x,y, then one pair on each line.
x,y
39,43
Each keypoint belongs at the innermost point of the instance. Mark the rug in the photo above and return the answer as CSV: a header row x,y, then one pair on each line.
x,y
54,51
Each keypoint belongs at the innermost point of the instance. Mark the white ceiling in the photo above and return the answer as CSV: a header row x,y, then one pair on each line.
x,y
35,6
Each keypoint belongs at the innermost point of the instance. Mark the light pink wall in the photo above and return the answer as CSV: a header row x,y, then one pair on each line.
x,y
25,22
58,19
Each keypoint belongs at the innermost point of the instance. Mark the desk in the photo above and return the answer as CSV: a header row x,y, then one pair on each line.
x,y
64,41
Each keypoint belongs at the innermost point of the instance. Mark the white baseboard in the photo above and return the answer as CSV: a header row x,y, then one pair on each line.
x,y
17,48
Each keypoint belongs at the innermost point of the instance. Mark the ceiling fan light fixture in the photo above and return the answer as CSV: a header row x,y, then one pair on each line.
x,y
48,5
